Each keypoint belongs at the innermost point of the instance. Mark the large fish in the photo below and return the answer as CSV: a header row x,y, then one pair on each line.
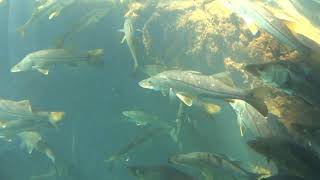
x,y
44,59
209,161
161,172
289,156
20,111
256,16
289,77
190,85
129,36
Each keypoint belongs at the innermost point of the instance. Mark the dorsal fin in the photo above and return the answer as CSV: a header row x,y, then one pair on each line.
x,y
25,105
225,77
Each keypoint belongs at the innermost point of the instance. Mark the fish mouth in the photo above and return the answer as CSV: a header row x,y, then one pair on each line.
x,y
14,69
172,160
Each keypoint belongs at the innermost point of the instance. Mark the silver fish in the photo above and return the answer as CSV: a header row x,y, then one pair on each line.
x,y
188,85
44,59
49,9
129,36
257,16
207,161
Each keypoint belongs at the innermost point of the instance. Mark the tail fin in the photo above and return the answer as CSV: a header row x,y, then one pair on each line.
x,y
94,57
256,99
22,31
55,117
174,135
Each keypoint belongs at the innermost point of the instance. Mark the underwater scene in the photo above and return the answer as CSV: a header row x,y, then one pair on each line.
x,y
160,90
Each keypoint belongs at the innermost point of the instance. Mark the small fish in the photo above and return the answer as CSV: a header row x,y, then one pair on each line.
x,y
91,18
141,118
188,85
44,59
160,172
256,16
208,161
136,142
49,9
129,36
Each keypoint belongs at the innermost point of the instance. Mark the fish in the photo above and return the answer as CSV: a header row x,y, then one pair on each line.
x,y
294,79
303,27
210,108
141,118
309,9
158,172
188,85
8,129
136,142
289,156
209,161
129,37
20,113
91,18
16,110
45,9
258,17
32,140
283,177
44,59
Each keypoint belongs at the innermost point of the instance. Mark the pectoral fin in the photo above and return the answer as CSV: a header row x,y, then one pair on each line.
x,y
42,70
172,95
291,25
54,14
123,39
251,26
242,130
253,29
186,100
212,108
